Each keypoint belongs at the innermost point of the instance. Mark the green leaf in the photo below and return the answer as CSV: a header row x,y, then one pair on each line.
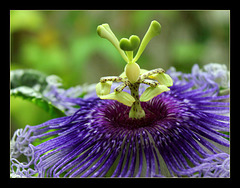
x,y
30,85
28,77
37,98
26,20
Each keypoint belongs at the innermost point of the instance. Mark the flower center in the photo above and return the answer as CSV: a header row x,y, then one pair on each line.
x,y
117,115
133,76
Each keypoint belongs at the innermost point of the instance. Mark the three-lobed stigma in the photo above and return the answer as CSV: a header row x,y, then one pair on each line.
x,y
133,76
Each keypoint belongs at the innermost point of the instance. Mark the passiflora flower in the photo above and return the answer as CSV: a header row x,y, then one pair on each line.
x,y
147,124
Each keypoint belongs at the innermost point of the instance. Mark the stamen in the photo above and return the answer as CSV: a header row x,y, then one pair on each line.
x,y
151,72
151,92
163,79
121,87
103,88
111,78
152,83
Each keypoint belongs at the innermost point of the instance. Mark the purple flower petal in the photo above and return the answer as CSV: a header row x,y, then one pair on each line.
x,y
179,136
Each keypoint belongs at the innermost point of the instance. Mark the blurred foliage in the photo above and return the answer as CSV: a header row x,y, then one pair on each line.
x,y
31,85
65,43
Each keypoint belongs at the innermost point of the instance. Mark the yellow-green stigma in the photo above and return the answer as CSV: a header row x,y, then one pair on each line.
x,y
133,76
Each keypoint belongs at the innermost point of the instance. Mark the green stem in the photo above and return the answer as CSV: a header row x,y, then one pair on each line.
x,y
136,110
129,55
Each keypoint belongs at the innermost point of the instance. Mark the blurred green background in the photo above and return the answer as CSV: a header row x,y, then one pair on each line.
x,y
65,43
